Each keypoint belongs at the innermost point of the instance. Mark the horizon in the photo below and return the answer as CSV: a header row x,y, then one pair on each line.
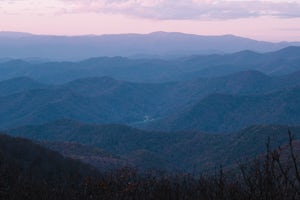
x,y
263,20
147,33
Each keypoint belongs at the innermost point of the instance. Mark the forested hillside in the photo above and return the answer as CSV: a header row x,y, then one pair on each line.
x,y
183,151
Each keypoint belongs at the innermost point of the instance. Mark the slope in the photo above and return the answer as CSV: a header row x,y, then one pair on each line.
x,y
225,113
171,151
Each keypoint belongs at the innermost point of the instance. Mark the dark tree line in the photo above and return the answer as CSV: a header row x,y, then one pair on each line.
x,y
273,176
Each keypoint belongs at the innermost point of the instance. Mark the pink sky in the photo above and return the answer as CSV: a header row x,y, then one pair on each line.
x,y
271,20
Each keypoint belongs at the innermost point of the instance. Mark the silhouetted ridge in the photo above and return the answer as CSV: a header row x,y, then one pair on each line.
x,y
39,163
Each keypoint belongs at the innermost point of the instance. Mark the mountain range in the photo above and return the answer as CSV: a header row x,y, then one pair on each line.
x,y
156,106
157,44
135,116
148,70
179,106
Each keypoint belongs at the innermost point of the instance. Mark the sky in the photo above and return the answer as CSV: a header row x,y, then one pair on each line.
x,y
269,20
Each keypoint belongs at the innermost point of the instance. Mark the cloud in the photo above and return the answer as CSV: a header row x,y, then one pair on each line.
x,y
189,9
38,7
163,9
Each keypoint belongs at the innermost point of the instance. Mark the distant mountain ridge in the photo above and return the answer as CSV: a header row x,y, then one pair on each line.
x,y
23,45
284,61
15,35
